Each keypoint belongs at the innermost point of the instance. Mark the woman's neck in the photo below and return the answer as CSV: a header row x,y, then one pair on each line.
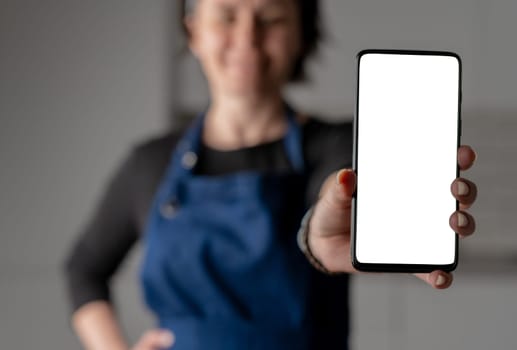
x,y
237,123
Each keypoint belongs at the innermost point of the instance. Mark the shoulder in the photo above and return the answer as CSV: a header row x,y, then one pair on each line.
x,y
327,148
153,153
324,140
147,161
316,127
144,169
158,145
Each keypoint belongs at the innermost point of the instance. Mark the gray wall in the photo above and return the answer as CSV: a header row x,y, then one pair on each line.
x,y
80,82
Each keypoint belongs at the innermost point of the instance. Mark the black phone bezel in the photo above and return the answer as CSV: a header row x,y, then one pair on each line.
x,y
398,268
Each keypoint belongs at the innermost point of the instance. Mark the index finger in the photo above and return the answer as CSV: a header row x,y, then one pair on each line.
x,y
466,157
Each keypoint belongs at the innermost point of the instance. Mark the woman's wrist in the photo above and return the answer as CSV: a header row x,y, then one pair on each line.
x,y
304,243
96,326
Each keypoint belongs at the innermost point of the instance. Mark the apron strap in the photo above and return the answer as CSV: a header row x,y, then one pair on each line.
x,y
185,156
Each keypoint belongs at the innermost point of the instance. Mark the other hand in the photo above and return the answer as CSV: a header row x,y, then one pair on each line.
x,y
155,339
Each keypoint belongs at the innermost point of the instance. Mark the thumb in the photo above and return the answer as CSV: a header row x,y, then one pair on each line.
x,y
332,212
338,195
329,226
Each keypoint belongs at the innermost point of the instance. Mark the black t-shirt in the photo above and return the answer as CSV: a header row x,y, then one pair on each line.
x,y
120,217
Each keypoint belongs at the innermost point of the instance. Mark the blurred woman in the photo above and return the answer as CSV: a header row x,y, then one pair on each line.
x,y
218,205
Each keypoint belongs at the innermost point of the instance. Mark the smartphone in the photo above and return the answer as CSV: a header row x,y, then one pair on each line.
x,y
407,129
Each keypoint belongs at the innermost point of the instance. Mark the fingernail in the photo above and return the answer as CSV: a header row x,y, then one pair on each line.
x,y
441,280
345,178
341,176
461,220
462,188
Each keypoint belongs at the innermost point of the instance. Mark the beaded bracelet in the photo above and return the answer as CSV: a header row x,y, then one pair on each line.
x,y
303,243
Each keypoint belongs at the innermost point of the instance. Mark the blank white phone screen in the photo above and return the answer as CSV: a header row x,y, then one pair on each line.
x,y
407,138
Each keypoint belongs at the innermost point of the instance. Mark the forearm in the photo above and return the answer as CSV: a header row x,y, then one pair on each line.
x,y
96,325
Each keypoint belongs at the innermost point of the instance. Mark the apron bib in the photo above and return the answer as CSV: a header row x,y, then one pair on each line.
x,y
222,269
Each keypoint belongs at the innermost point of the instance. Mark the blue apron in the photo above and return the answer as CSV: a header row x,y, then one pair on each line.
x,y
222,269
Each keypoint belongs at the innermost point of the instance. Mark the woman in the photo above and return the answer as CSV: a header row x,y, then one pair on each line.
x,y
222,269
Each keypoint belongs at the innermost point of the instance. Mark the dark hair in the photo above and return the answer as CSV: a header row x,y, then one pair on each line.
x,y
310,32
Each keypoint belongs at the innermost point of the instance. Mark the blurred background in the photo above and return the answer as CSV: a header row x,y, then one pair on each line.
x,y
83,81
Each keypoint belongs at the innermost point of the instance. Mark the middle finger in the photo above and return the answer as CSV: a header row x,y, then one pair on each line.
x,y
464,191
